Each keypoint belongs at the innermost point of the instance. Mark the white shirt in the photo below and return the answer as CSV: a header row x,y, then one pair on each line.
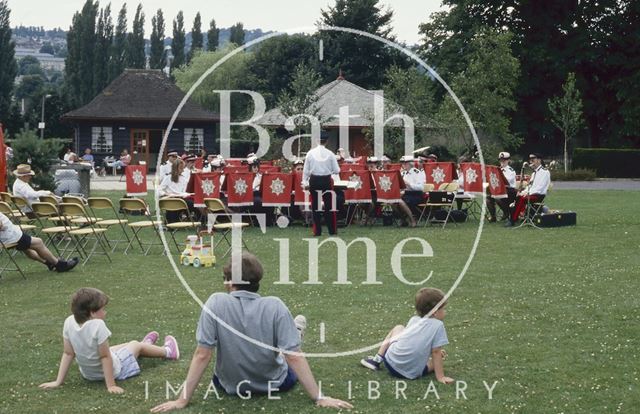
x,y
165,169
414,179
320,161
510,174
256,181
170,188
85,340
24,190
9,233
539,182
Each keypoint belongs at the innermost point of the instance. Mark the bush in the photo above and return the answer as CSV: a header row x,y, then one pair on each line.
x,y
40,153
615,163
581,174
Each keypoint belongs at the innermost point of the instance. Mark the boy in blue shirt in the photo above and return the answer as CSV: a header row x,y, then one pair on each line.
x,y
416,350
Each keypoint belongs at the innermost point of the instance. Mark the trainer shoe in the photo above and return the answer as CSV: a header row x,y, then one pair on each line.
x,y
151,338
171,345
301,324
370,363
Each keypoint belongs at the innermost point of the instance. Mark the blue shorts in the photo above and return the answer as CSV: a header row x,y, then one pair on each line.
x,y
128,363
24,243
396,374
288,382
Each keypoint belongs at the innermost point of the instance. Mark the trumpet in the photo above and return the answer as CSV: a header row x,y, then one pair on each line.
x,y
521,186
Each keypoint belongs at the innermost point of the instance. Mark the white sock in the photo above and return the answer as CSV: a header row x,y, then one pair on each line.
x,y
377,358
167,352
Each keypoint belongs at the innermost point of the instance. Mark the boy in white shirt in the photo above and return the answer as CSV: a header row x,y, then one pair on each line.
x,y
416,350
86,339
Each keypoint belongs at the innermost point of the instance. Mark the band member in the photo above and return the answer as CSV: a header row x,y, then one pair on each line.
x,y
536,189
509,173
165,168
319,165
414,180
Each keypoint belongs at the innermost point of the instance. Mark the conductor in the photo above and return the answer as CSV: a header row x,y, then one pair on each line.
x,y
319,165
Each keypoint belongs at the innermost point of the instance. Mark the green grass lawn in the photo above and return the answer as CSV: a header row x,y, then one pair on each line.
x,y
551,315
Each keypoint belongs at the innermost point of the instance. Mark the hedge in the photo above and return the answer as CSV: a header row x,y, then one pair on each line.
x,y
611,163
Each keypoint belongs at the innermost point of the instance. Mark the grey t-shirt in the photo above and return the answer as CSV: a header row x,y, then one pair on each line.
x,y
267,320
410,352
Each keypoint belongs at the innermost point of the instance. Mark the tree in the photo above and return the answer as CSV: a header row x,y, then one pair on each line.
x,y
135,42
412,89
177,43
27,146
236,34
30,65
156,60
31,89
55,107
8,66
79,65
486,89
104,38
363,60
566,113
196,36
119,47
212,36
47,48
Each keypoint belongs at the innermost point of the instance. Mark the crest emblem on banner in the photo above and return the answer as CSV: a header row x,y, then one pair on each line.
x,y
355,178
493,180
208,186
438,175
277,186
137,177
471,176
385,183
240,186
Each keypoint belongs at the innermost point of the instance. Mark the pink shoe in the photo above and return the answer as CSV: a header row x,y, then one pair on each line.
x,y
151,338
171,344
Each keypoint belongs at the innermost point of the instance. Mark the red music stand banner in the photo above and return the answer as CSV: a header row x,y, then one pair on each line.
x,y
497,181
205,185
301,197
352,167
269,168
136,180
472,173
388,185
276,189
198,163
438,173
362,192
239,189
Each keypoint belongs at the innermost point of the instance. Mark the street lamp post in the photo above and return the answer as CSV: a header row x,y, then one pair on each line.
x,y
44,97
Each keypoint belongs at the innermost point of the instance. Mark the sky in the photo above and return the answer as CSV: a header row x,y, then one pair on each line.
x,y
266,15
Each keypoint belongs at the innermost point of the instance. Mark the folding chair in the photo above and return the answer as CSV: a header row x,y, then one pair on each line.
x,y
77,213
49,199
223,222
137,206
21,205
9,248
423,206
177,205
446,203
532,209
15,217
44,212
104,203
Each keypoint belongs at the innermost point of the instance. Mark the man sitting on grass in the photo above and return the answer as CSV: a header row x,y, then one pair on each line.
x,y
416,351
242,366
32,247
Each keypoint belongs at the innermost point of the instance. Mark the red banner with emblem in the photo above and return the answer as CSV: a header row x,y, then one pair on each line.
x,y
388,184
301,197
352,167
472,175
438,173
198,163
136,180
205,185
362,191
276,189
497,181
239,189
266,168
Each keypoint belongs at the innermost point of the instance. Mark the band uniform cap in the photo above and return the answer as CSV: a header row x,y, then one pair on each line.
x,y
372,160
190,157
298,161
535,155
252,160
172,153
432,156
216,162
504,155
385,159
324,136
407,158
22,170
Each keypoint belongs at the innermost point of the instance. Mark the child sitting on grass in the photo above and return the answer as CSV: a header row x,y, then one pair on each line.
x,y
86,338
416,350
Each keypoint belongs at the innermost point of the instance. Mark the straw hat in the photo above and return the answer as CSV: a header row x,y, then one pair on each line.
x,y
22,170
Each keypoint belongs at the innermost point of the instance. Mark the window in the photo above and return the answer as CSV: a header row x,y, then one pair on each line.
x,y
193,139
102,139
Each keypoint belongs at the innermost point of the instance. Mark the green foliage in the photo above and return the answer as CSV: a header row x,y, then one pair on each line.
x,y
178,40
213,35
55,107
156,60
300,98
580,174
135,42
104,38
413,90
80,63
486,90
119,47
566,113
47,48
42,153
609,162
30,65
236,34
8,66
196,36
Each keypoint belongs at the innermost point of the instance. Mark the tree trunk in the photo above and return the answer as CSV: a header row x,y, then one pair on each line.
x,y
566,156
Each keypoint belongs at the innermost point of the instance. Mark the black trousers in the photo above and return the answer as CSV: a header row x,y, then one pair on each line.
x,y
320,186
503,203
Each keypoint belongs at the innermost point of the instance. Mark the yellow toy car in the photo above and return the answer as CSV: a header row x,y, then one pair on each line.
x,y
199,255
